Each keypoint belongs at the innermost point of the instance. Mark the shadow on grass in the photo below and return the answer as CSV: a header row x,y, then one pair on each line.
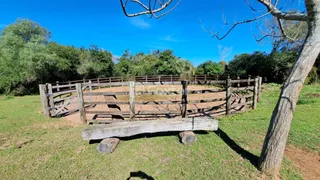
x,y
141,175
149,135
234,146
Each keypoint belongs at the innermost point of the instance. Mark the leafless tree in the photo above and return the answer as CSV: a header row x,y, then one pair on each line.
x,y
276,137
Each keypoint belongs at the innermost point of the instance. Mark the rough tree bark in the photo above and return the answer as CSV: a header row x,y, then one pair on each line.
x,y
276,137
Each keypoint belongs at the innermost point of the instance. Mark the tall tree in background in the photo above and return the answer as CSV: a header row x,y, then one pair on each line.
x,y
276,137
24,57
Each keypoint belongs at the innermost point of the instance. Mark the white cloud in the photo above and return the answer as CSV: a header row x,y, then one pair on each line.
x,y
140,23
171,38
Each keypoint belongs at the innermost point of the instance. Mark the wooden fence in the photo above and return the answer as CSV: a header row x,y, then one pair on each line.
x,y
65,98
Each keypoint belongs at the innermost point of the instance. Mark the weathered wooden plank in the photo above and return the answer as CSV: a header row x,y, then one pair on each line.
x,y
108,145
157,102
64,86
184,99
63,92
44,100
241,81
51,101
108,112
65,98
228,96
131,99
242,88
259,88
107,102
130,128
81,104
241,104
255,93
206,100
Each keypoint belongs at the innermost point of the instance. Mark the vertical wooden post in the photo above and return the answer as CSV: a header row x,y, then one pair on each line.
x,y
159,77
90,90
121,80
205,77
82,111
255,93
259,88
84,80
44,100
249,79
184,99
98,80
57,84
69,85
171,77
228,95
51,103
238,78
146,78
131,99
217,77
110,81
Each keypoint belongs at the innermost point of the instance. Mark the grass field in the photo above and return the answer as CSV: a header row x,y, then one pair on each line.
x,y
34,147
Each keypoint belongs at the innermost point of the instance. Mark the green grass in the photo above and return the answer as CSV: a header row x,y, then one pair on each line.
x,y
34,147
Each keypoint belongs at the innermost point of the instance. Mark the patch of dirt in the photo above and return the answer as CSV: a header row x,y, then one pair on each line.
x,y
22,143
307,162
313,95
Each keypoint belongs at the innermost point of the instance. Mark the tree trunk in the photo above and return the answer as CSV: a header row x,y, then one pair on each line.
x,y
276,137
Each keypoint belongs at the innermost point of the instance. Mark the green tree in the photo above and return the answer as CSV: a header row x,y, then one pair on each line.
x,y
210,68
24,57
95,62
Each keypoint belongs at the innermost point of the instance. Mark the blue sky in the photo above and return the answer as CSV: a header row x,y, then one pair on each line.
x,y
102,22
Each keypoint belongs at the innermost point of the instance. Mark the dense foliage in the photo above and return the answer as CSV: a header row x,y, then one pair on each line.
x,y
28,58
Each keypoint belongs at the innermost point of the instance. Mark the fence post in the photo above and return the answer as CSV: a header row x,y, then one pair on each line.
x,y
44,100
131,99
98,80
228,95
255,93
159,78
84,80
171,77
122,81
238,78
184,99
51,103
249,78
81,104
205,77
259,88
57,84
109,81
90,90
69,85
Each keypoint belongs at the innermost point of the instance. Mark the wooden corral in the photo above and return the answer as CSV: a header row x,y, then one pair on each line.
x,y
97,101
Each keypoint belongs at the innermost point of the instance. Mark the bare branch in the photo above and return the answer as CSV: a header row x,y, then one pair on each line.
x,y
216,35
283,15
149,10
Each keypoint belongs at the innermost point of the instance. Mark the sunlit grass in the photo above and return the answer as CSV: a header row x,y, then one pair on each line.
x,y
34,147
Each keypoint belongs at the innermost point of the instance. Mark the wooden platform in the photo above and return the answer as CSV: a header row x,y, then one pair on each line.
x,y
130,128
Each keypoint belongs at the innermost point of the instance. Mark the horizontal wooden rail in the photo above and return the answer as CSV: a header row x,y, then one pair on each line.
x,y
206,100
251,88
241,104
